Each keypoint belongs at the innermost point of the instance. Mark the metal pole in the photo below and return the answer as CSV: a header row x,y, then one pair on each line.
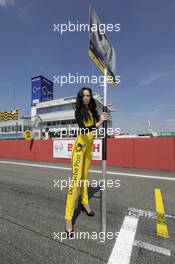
x,y
16,128
14,99
104,156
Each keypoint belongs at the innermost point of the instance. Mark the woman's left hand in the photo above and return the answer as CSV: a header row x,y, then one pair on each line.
x,y
104,116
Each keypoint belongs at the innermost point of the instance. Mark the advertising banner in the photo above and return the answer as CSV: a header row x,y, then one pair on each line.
x,y
12,115
101,50
62,148
42,90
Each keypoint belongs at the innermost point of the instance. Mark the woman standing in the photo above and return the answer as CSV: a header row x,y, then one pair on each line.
x,y
87,117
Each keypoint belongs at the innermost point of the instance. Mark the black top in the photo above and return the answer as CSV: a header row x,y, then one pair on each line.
x,y
79,120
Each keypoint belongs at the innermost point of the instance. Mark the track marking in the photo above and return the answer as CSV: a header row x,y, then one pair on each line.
x,y
94,171
162,229
122,249
147,246
145,213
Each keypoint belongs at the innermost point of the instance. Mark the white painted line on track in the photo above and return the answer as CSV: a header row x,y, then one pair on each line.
x,y
35,165
147,246
122,249
141,176
94,171
140,212
145,213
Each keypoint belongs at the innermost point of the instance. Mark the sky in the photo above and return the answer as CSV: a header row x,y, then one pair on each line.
x,y
145,56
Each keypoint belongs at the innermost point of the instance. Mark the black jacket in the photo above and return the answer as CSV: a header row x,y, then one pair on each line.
x,y
79,120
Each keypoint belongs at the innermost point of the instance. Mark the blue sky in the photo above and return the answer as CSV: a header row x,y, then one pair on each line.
x,y
145,49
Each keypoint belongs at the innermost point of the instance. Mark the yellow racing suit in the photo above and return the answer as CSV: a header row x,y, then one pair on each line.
x,y
81,160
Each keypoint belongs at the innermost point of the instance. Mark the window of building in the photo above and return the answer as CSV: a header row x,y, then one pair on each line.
x,y
20,128
55,108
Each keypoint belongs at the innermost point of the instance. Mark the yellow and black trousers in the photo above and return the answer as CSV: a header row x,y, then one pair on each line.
x,y
81,161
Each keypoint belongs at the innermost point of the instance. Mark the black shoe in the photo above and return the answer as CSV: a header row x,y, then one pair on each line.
x,y
69,233
84,210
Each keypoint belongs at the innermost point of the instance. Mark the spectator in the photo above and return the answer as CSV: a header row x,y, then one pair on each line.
x,y
47,134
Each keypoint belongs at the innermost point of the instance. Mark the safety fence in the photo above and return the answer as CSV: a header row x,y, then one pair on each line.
x,y
143,153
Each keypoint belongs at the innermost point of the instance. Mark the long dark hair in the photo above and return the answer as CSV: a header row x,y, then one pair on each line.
x,y
92,104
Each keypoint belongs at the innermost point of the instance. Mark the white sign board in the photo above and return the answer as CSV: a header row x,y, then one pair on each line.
x,y
62,148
